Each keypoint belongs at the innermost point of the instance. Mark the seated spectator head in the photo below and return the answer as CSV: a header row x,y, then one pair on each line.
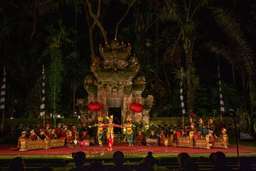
x,y
150,154
79,158
149,160
219,161
212,157
185,162
118,158
17,164
150,157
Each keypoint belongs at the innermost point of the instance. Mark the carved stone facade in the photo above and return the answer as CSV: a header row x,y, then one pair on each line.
x,y
115,82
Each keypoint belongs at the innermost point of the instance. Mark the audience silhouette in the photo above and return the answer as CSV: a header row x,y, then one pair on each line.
x,y
148,164
219,161
118,159
79,159
185,163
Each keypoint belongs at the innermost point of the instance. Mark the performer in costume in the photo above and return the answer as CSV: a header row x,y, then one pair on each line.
x,y
211,124
110,132
162,138
128,130
224,137
210,139
69,138
33,136
100,130
59,130
74,134
200,124
21,139
140,138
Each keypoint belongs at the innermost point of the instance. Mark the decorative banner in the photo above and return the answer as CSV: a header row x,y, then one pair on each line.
x,y
94,106
43,99
221,99
181,92
136,107
3,91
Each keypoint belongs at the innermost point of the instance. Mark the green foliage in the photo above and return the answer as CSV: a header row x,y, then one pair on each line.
x,y
233,31
33,99
253,95
202,102
55,72
231,96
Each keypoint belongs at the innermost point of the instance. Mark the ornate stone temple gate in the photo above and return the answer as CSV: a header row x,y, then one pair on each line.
x,y
115,83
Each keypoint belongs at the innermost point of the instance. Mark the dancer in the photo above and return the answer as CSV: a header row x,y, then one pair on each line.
x,y
128,130
100,130
110,132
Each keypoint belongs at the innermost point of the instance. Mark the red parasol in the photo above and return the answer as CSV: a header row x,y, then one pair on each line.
x,y
94,106
136,107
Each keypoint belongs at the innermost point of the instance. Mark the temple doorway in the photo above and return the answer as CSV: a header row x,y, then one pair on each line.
x,y
116,112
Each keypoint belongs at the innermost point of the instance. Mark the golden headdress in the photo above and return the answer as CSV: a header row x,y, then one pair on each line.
x,y
100,118
110,117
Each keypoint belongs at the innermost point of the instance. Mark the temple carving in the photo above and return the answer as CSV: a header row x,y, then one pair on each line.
x,y
115,82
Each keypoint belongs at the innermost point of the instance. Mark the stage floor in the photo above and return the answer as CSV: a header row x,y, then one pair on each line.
x,y
132,152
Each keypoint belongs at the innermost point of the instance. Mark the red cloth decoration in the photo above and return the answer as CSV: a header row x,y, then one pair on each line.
x,y
94,106
178,134
136,107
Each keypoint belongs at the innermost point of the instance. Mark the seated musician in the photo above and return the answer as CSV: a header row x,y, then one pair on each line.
x,y
224,137
162,138
84,139
74,132
42,135
197,135
171,137
211,124
52,134
63,132
176,134
210,138
33,136
69,137
140,138
59,130
152,138
200,124
22,137
48,128
83,135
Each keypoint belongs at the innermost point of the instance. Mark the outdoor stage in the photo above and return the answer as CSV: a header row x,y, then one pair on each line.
x,y
7,152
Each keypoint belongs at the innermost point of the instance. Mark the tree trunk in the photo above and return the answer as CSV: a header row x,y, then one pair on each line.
x,y
74,88
189,82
